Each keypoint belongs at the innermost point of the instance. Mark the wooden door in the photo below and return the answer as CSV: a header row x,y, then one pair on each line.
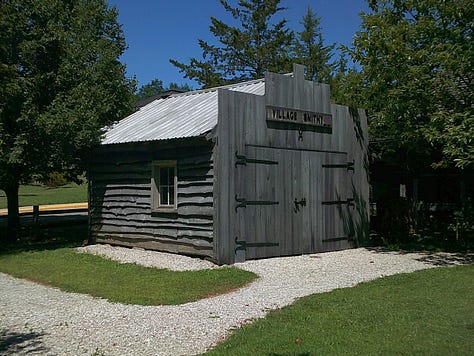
x,y
289,201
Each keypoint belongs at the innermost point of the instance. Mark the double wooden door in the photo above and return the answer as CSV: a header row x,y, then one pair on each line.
x,y
292,202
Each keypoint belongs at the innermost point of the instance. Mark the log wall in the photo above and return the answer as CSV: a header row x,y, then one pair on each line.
x,y
120,199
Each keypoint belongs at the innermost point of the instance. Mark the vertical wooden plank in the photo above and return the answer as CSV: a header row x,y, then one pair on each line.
x,y
224,187
318,216
251,123
306,218
253,224
297,228
297,93
310,137
272,210
283,188
238,132
281,213
325,98
327,196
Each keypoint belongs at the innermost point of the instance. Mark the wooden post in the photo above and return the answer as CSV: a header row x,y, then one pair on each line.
x,y
35,214
415,203
35,227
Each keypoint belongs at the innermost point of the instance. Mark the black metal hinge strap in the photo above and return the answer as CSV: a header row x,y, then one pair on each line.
x,y
243,245
349,166
334,239
242,202
243,160
349,202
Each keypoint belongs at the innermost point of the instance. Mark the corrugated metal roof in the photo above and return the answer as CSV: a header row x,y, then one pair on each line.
x,y
184,115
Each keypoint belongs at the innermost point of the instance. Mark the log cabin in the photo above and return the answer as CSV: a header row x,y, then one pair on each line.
x,y
264,168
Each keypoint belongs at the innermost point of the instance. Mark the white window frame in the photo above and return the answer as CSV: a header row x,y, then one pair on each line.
x,y
156,205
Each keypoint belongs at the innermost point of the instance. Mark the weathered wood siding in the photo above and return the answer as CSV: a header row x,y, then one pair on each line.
x,y
325,172
120,206
261,188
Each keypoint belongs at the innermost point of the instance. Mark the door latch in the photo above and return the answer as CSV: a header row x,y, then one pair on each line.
x,y
299,203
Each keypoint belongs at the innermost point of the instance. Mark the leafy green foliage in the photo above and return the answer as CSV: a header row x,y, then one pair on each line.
x,y
463,225
346,85
244,52
417,73
55,179
61,82
156,87
425,312
123,283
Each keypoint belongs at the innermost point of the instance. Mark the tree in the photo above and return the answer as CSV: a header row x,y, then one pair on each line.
x,y
244,52
311,51
156,87
417,71
61,81
183,87
148,90
346,84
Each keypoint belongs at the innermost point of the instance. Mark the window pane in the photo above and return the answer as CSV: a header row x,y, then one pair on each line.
x,y
171,196
163,195
165,180
163,176
170,176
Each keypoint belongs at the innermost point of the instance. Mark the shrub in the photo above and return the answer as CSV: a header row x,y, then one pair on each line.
x,y
463,222
55,179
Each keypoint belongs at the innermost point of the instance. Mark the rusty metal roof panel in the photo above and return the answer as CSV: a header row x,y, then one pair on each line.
x,y
184,115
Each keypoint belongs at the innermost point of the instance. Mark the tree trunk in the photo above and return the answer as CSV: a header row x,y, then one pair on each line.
x,y
13,212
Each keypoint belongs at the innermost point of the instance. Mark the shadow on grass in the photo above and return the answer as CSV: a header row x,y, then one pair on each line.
x,y
63,233
12,343
448,259
433,258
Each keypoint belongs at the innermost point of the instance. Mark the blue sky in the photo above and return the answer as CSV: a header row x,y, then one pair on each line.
x,y
157,30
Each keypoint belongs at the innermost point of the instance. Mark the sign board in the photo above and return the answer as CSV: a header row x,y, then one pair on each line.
x,y
298,117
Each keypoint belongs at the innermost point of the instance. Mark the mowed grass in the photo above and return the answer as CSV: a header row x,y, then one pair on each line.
x,y
123,283
42,195
428,312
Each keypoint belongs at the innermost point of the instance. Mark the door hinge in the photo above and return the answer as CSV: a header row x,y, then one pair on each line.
x,y
243,160
243,245
242,202
349,165
349,202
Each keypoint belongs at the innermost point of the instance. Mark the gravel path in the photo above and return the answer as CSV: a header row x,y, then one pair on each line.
x,y
35,319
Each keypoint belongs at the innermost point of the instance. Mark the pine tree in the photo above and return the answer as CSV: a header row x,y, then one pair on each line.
x,y
243,52
155,87
311,51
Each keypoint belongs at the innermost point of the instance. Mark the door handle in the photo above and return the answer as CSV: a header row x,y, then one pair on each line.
x,y
299,203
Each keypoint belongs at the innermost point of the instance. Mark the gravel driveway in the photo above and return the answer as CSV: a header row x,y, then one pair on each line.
x,y
35,319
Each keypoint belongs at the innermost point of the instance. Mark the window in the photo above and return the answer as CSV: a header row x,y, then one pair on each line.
x,y
163,186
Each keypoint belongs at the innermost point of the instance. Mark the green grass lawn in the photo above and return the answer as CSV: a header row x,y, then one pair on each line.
x,y
43,195
428,312
123,283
